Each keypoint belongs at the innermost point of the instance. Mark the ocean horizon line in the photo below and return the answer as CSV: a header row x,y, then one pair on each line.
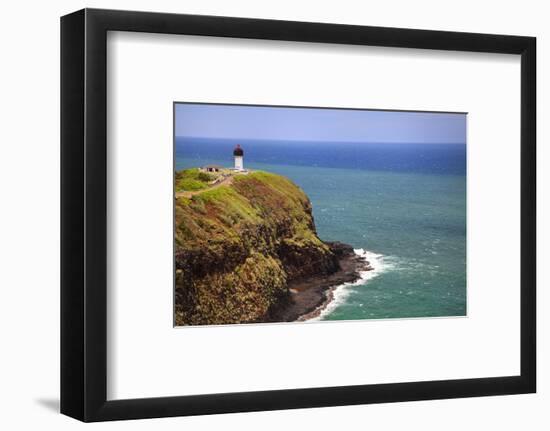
x,y
268,165
258,140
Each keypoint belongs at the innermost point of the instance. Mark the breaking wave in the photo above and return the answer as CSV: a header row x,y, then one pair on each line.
x,y
378,263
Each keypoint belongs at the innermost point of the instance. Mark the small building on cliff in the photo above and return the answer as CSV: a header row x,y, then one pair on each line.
x,y
212,168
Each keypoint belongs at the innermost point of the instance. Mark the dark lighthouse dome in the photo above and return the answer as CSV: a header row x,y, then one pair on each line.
x,y
238,151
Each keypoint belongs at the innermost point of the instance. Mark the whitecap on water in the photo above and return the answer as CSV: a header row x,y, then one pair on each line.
x,y
379,264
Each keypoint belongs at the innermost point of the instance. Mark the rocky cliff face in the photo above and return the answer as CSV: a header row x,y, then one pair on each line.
x,y
239,245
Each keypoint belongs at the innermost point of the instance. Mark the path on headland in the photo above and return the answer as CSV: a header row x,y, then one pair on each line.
x,y
225,182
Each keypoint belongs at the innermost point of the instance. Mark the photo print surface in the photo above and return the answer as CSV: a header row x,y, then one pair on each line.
x,y
299,214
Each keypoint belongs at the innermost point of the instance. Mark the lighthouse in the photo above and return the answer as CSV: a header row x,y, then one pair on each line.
x,y
238,154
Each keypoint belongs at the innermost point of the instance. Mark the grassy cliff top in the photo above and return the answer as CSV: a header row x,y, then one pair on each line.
x,y
216,216
192,180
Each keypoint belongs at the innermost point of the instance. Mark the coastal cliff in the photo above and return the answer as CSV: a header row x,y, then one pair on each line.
x,y
246,246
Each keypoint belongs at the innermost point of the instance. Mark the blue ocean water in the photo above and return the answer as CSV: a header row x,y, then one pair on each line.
x,y
404,205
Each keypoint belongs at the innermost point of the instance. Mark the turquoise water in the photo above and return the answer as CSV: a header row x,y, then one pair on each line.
x,y
411,222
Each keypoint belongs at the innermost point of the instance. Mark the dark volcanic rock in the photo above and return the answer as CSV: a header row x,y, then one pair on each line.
x,y
311,294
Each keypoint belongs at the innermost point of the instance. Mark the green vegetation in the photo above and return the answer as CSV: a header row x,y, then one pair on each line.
x,y
239,244
192,180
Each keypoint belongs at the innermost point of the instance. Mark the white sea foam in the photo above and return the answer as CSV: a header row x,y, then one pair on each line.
x,y
379,264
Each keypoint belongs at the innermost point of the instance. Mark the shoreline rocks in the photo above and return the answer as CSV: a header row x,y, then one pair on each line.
x,y
310,295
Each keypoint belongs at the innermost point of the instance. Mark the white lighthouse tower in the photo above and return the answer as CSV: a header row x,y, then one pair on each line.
x,y
238,155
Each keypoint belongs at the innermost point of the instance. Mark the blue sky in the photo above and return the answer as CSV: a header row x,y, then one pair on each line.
x,y
310,124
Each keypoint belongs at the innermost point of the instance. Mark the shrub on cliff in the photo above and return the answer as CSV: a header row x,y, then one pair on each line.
x,y
191,180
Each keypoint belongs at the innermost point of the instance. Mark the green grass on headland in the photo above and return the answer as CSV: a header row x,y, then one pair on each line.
x,y
257,197
190,180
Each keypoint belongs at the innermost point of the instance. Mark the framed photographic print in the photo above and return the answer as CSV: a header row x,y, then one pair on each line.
x,y
262,215
287,236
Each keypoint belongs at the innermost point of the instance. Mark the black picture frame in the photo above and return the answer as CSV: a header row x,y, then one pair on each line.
x,y
84,214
